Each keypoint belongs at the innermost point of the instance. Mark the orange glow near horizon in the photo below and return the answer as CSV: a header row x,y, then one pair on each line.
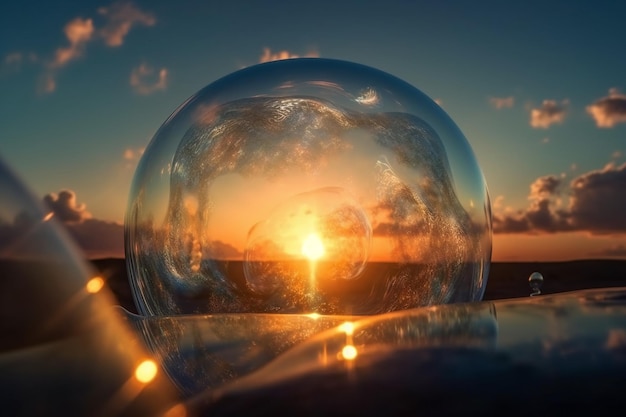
x,y
551,247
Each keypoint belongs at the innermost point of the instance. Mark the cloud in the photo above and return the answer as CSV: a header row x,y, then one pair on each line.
x,y
598,200
14,58
65,208
133,155
97,238
145,81
540,215
120,18
47,83
597,204
78,32
544,187
609,111
14,61
222,250
549,113
502,102
268,55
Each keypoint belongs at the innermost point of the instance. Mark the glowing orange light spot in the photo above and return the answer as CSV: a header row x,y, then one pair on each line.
x,y
347,328
48,216
313,316
146,371
349,352
94,285
312,247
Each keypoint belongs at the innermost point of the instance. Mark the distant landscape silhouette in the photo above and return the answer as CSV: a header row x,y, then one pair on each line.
x,y
506,279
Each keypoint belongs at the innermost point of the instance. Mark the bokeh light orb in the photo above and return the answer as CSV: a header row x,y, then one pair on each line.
x,y
307,185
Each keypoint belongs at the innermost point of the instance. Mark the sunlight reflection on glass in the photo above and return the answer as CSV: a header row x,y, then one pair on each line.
x,y
94,285
146,371
349,352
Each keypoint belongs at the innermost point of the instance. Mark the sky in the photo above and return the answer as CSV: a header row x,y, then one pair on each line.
x,y
538,88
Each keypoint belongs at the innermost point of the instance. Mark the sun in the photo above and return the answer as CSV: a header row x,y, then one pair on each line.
x,y
312,247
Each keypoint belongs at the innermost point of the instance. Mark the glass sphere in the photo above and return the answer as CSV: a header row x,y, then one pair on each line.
x,y
307,185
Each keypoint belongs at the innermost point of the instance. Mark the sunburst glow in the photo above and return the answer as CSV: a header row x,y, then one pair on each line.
x,y
312,247
349,352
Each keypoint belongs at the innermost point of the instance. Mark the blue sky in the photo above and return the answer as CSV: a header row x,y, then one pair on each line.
x,y
535,86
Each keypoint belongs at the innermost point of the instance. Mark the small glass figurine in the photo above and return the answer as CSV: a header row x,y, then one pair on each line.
x,y
535,280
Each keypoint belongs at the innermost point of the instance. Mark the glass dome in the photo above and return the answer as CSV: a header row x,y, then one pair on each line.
x,y
307,185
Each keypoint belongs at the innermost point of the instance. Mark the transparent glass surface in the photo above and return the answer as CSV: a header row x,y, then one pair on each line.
x,y
63,348
307,185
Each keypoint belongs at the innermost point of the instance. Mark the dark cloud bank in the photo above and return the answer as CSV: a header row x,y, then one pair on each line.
x,y
594,202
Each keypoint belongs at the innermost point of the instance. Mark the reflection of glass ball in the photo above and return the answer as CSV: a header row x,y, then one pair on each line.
x,y
307,185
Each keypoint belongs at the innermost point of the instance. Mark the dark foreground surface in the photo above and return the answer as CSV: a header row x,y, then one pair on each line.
x,y
563,354
437,382
506,279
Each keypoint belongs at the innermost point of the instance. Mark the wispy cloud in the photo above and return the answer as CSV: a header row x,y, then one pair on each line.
x,y
78,32
268,55
549,113
117,21
597,205
120,18
132,155
146,80
14,61
14,58
502,102
610,110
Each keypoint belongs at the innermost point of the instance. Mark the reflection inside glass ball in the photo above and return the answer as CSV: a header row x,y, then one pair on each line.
x,y
309,241
304,186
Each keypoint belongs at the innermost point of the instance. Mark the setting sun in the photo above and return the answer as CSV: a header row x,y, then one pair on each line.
x,y
312,247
